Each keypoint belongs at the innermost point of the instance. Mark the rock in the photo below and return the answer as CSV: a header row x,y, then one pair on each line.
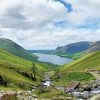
x,y
3,81
69,98
62,98
87,87
33,89
55,98
9,95
77,94
97,97
1,95
35,96
86,95
19,93
72,86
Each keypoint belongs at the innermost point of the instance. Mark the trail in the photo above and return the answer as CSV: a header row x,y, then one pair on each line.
x,y
97,76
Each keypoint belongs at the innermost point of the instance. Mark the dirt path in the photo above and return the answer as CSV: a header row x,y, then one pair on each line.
x,y
97,76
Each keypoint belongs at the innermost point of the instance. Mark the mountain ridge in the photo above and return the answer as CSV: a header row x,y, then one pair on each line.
x,y
16,49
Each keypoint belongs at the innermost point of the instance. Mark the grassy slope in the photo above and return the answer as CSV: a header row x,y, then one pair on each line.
x,y
78,70
90,61
14,48
11,65
72,56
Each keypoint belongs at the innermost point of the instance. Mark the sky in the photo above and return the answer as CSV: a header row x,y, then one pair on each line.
x,y
47,24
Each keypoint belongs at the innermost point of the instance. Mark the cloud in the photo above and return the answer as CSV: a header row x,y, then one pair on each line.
x,y
44,24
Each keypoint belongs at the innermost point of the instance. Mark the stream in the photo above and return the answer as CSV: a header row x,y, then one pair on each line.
x,y
80,95
47,80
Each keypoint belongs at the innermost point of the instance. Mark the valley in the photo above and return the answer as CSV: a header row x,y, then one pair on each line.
x,y
48,76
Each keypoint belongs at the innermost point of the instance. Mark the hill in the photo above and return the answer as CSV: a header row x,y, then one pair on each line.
x,y
79,70
72,50
15,49
90,61
17,72
93,48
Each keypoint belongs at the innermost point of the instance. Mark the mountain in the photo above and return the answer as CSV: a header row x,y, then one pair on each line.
x,y
93,48
15,49
72,50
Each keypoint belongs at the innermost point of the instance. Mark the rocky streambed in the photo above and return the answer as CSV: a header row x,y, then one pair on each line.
x,y
84,92
89,91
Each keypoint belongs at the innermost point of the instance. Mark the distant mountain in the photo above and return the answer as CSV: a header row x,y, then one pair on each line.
x,y
16,49
93,48
72,50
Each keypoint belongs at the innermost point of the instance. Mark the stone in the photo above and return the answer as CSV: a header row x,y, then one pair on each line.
x,y
9,95
62,98
35,96
69,98
86,95
72,86
97,97
87,87
55,98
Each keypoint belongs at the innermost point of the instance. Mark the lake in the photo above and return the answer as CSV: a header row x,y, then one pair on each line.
x,y
54,59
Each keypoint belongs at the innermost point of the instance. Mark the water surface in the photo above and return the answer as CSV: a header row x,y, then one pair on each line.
x,y
53,59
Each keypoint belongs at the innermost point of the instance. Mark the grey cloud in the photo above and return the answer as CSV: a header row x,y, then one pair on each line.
x,y
15,13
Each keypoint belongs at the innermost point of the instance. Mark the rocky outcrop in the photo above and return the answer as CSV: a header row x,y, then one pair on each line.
x,y
10,95
3,81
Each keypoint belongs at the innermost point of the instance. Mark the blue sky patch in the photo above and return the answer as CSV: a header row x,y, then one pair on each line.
x,y
61,24
68,6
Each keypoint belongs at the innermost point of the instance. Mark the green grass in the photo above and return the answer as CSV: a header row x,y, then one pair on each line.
x,y
88,62
68,77
78,70
11,67
71,56
15,49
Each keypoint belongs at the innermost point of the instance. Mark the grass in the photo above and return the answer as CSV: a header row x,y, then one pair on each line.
x,y
15,49
11,67
53,93
68,77
88,62
78,70
71,56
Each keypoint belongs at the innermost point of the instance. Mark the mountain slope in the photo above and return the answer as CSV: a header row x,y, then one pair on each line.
x,y
17,71
15,49
72,50
79,70
93,48
90,61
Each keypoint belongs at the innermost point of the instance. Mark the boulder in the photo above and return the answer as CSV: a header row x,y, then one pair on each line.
x,y
10,95
87,87
72,86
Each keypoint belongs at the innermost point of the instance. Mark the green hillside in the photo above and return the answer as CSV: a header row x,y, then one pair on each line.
x,y
17,71
78,70
15,49
90,61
